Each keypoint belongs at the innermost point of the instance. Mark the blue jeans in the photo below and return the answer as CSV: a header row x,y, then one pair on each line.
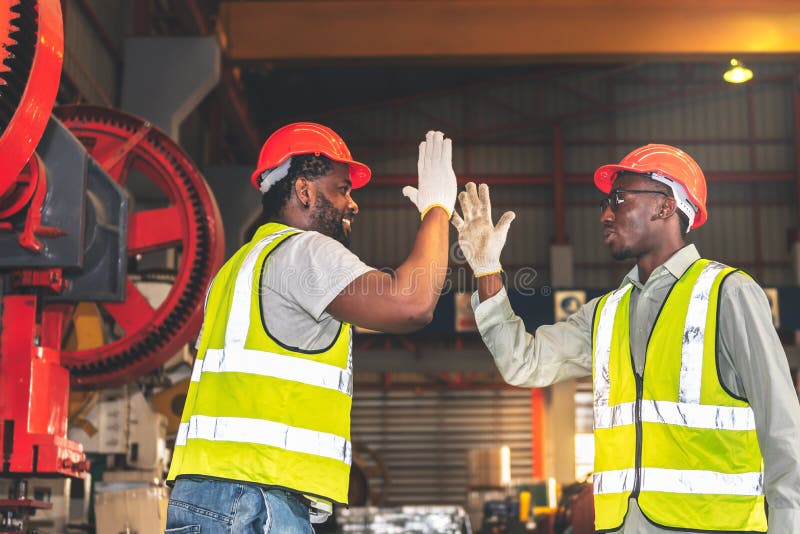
x,y
217,507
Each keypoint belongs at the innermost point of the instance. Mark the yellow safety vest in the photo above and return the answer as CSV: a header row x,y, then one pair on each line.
x,y
259,411
674,439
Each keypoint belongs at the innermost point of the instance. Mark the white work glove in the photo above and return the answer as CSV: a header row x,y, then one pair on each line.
x,y
478,238
437,180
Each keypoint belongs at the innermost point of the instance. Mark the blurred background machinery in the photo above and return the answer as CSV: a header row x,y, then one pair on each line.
x,y
76,308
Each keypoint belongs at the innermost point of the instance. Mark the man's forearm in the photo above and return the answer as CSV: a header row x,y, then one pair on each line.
x,y
557,352
425,269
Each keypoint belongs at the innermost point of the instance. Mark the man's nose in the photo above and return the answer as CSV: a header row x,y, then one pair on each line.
x,y
606,215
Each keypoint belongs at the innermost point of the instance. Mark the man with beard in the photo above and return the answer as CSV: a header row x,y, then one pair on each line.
x,y
696,418
264,440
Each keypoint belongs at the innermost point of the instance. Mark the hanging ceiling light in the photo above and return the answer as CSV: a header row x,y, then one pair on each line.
x,y
738,73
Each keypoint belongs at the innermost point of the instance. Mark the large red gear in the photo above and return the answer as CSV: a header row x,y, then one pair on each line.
x,y
125,145
31,56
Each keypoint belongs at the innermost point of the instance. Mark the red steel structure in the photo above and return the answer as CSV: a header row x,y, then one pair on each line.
x,y
34,387
31,55
37,306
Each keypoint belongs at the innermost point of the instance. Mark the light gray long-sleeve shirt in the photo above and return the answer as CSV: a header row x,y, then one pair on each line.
x,y
752,364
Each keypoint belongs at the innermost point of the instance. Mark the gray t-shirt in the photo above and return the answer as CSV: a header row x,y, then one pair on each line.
x,y
300,279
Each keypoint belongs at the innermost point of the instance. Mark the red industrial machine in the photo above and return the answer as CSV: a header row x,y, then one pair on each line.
x,y
70,232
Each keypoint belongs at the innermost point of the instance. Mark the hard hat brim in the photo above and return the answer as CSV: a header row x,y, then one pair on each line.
x,y
360,174
605,176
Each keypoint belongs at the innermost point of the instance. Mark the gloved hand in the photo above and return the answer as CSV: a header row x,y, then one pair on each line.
x,y
478,238
437,181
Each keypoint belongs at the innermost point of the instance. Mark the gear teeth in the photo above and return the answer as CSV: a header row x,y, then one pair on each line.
x,y
198,277
16,57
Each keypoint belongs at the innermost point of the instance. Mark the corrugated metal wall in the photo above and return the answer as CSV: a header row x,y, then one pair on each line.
x,y
423,437
503,131
114,15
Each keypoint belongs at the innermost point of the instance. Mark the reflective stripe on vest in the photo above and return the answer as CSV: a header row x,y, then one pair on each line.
x,y
245,430
239,319
277,366
694,335
679,481
677,413
602,348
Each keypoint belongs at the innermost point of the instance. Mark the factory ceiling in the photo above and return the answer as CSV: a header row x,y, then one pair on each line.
x,y
298,59
516,30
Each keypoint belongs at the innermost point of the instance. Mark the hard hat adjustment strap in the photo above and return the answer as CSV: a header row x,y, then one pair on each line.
x,y
681,196
272,176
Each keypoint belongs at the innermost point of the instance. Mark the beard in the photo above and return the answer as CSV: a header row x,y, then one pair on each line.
x,y
327,220
625,253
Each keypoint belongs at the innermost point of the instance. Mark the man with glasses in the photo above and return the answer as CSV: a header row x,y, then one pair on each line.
x,y
697,423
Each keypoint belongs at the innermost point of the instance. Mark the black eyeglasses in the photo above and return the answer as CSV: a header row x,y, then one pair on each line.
x,y
614,198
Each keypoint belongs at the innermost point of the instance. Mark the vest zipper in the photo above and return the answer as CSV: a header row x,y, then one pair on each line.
x,y
637,480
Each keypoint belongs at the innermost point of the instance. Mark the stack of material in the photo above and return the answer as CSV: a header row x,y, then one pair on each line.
x,y
137,509
404,520
489,467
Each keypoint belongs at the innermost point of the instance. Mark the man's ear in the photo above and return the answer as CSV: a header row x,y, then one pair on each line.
x,y
667,208
302,191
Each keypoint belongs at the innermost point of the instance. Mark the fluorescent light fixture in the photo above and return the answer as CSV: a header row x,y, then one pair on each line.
x,y
738,73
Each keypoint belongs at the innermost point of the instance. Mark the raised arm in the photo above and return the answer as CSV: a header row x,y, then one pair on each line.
x,y
404,300
556,352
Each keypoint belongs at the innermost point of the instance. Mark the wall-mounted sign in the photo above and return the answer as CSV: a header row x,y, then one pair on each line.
x,y
567,302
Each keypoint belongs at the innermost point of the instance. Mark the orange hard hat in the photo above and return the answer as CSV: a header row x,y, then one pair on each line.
x,y
666,160
307,138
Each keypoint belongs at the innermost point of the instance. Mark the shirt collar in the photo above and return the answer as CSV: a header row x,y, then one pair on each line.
x,y
676,265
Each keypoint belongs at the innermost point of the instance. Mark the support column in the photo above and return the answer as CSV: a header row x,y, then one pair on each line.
x,y
792,352
562,267
166,78
560,432
562,264
559,208
796,244
560,400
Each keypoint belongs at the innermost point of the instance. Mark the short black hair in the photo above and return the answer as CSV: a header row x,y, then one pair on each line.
x,y
309,167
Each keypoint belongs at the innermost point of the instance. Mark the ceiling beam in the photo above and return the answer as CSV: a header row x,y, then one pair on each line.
x,y
539,30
